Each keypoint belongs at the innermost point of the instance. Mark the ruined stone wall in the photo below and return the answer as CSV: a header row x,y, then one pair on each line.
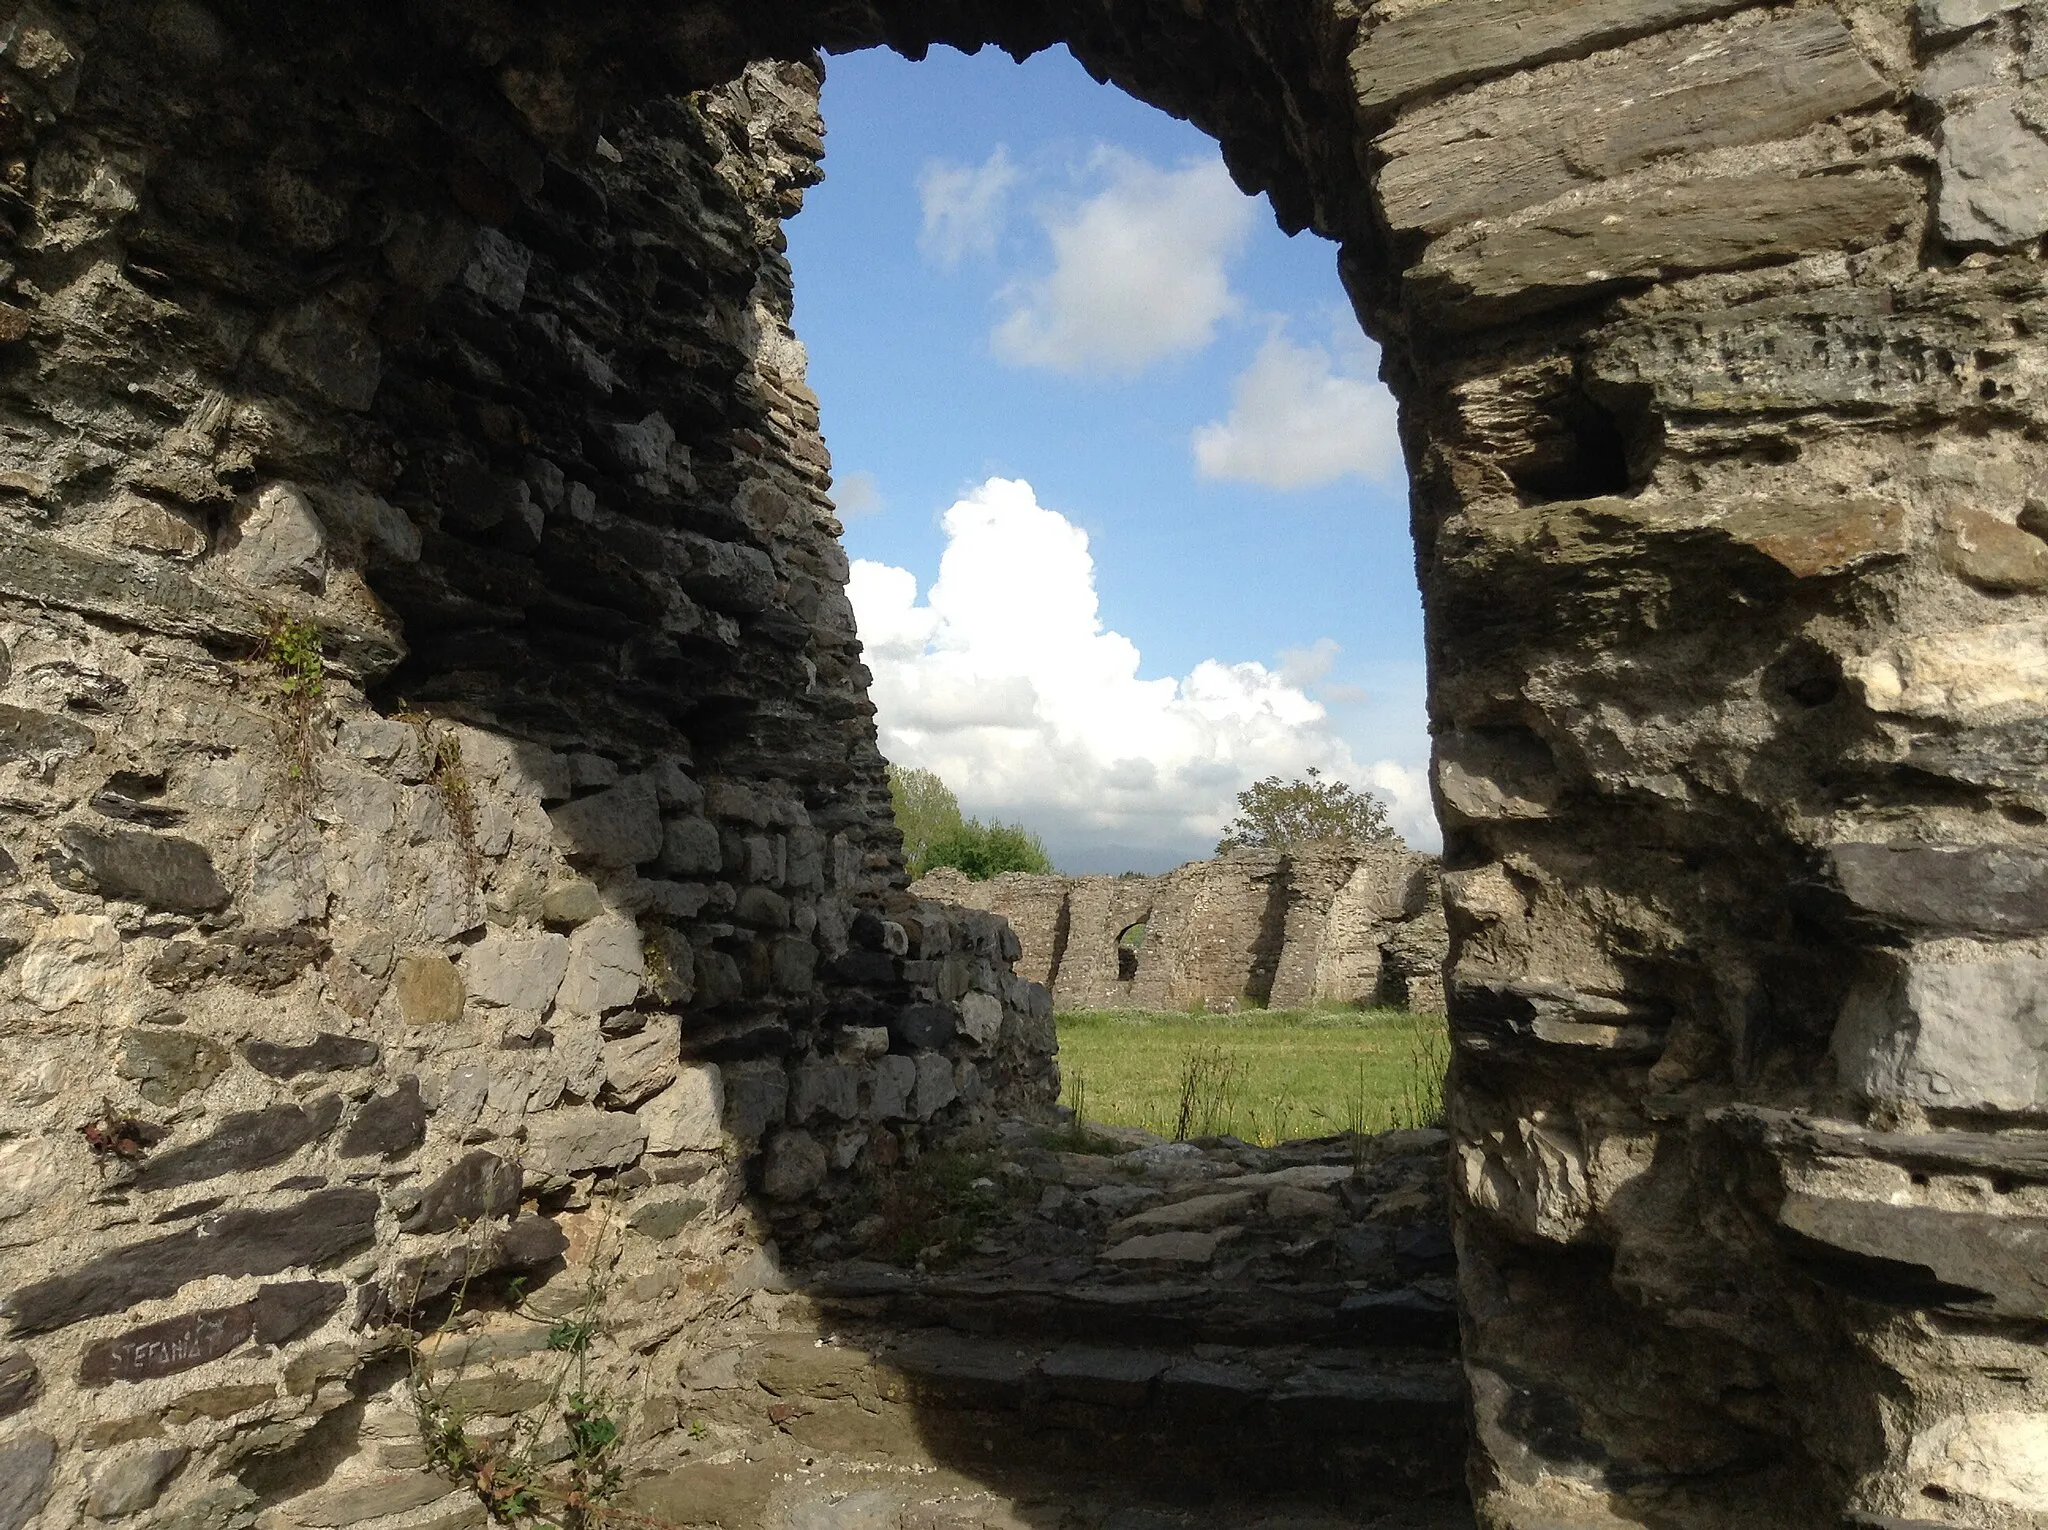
x,y
441,832
1328,925
457,330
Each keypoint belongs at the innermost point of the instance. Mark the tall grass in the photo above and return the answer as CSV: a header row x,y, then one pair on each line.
x,y
1262,1077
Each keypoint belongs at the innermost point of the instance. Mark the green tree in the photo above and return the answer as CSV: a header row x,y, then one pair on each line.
x,y
926,812
984,850
1276,815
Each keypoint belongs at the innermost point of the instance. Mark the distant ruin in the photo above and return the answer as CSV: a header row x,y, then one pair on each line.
x,y
1269,929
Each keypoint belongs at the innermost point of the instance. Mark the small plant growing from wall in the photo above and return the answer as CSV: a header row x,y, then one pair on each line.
x,y
450,780
291,651
560,1467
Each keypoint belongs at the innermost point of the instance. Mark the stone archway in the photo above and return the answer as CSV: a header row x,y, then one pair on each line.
x,y
458,336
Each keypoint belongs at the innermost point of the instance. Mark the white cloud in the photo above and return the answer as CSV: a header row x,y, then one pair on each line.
x,y
1141,270
1305,666
965,206
1005,681
1298,422
856,494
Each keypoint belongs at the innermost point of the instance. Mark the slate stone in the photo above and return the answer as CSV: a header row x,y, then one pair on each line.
x,y
120,806
1426,1248
25,733
664,1219
282,1312
314,1232
1407,1318
574,1139
261,961
951,1365
325,1053
924,1027
168,1065
1204,1387
25,1467
617,828
165,1348
1355,1403
478,1187
530,1242
20,1383
388,1126
1923,1257
244,1140
1096,1374
1986,889
159,870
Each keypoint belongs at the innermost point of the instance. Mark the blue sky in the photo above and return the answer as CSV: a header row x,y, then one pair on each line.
x,y
1013,276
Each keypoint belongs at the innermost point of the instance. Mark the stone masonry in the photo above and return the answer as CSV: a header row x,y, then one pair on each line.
x,y
449,339
1323,925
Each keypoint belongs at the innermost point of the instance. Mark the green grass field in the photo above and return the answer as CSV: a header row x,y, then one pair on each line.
x,y
1265,1077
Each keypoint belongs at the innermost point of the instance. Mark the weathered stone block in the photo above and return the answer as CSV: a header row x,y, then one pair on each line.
x,y
726,1494
756,1097
1988,889
478,1187
159,870
245,1139
792,1166
1956,1031
640,1066
26,1463
605,968
1922,1256
517,971
919,1027
325,1053
617,828
388,1125
1117,1378
312,1232
689,1115
1448,44
824,1088
20,1382
1993,554
168,1065
25,733
575,1139
429,989
133,1481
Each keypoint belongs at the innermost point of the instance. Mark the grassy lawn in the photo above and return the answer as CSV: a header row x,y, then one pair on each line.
x,y
1263,1076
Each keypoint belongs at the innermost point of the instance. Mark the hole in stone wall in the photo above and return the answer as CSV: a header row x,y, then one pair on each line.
x,y
1129,946
1607,444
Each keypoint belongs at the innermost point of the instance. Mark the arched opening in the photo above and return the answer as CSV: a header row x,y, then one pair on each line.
x,y
1130,946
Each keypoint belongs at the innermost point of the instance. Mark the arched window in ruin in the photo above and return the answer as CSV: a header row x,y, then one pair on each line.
x,y
1129,946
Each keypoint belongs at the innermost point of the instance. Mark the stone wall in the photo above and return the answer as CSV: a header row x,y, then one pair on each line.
x,y
1323,925
457,330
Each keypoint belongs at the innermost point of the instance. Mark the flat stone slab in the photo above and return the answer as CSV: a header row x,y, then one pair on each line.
x,y
1187,1248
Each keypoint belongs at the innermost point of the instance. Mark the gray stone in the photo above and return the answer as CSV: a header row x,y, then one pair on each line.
x,y
576,1139
1317,1401
323,346
518,971
1988,889
26,1463
388,1125
244,1140
872,1510
1205,1387
1993,166
690,847
312,1232
1438,46
132,1482
607,963
277,542
1201,1213
1937,19
168,1065
1948,1034
262,961
350,1503
479,1187
662,1220
689,1115
895,1082
1192,1249
762,909
756,1097
937,1085
1921,1256
824,1088
615,829
922,1027
572,903
26,734
325,1053
792,1166
792,964
1691,226
1117,1378
1407,1317
276,1315
640,1066
1993,554
1451,164
154,869
20,1382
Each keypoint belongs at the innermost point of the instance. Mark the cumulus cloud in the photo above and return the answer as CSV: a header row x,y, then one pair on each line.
x,y
965,206
1297,422
1141,270
1305,666
856,494
1005,681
